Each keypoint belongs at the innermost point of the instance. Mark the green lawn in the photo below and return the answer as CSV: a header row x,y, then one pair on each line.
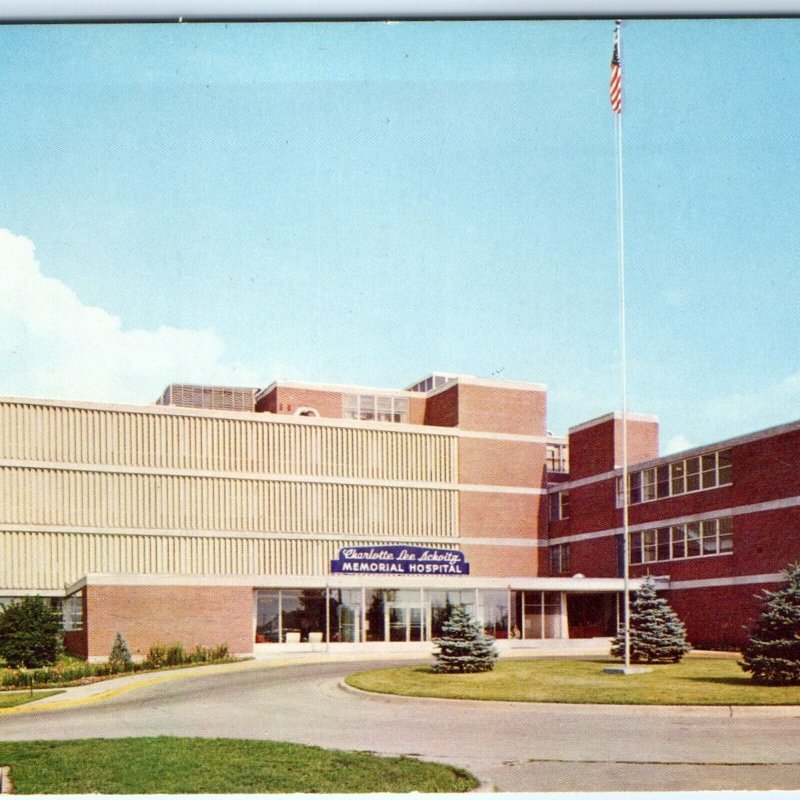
x,y
214,766
695,681
11,699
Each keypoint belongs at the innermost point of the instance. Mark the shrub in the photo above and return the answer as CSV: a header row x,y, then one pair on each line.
x,y
656,633
30,633
463,646
120,653
156,655
173,655
772,653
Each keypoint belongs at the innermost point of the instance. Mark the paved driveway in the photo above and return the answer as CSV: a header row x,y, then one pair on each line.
x,y
509,746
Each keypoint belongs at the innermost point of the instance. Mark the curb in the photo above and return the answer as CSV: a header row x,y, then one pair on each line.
x,y
590,708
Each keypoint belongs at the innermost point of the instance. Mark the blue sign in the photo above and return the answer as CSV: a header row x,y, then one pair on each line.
x,y
398,559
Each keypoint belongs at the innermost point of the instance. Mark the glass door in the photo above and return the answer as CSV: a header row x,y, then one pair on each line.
x,y
404,622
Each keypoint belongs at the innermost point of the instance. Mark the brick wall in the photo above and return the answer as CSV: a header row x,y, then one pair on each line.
x,y
501,562
204,615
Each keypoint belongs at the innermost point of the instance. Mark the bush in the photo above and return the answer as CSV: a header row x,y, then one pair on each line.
x,y
463,646
656,633
70,670
173,655
30,633
120,653
772,653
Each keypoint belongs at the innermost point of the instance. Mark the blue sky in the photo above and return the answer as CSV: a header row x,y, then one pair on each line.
x,y
367,202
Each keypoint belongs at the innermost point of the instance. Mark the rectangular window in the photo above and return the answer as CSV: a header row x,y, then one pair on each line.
x,y
350,402
559,506
400,412
72,611
725,469
383,408
366,406
726,535
677,477
649,484
635,484
692,474
559,559
564,503
649,546
709,529
662,544
678,533
709,465
662,481
692,540
636,548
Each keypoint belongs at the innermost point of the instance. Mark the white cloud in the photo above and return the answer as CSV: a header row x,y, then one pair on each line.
x,y
52,345
757,409
676,444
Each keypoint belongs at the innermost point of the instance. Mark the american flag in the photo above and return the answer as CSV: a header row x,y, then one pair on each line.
x,y
615,87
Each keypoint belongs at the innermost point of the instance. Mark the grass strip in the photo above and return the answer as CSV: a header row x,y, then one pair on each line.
x,y
170,765
695,681
11,699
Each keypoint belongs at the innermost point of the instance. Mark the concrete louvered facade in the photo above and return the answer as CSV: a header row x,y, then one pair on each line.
x,y
164,490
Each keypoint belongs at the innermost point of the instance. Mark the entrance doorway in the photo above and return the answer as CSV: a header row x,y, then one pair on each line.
x,y
404,622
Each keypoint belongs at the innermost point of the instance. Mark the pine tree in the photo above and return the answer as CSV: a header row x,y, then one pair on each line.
x,y
463,646
772,653
656,633
120,653
30,633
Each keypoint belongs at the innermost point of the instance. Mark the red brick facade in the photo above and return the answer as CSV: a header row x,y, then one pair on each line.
x,y
713,592
145,615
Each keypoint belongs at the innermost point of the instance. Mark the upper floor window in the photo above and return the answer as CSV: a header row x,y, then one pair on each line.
x,y
559,506
679,477
711,537
383,408
559,559
556,458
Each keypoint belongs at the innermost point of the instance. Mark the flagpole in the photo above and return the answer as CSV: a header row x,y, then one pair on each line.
x,y
623,349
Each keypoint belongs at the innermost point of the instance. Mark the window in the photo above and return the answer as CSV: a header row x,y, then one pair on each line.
x,y
73,612
677,473
559,506
691,540
559,559
648,484
679,477
383,408
556,458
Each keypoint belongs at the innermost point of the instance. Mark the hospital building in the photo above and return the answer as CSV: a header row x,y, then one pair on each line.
x,y
305,517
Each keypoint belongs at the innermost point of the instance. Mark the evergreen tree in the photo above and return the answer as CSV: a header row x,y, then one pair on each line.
x,y
30,633
656,633
120,653
772,653
463,646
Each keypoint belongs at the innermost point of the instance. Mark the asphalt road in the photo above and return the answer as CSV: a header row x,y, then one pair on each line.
x,y
509,746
